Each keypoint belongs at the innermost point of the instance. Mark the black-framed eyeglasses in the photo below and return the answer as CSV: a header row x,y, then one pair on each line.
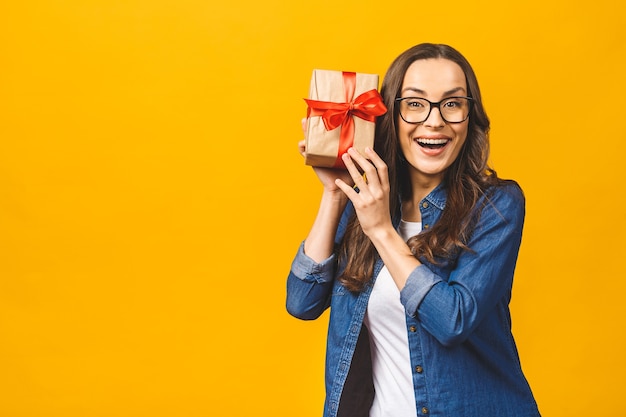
x,y
416,110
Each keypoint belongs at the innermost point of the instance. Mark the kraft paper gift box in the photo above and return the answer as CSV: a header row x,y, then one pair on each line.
x,y
342,111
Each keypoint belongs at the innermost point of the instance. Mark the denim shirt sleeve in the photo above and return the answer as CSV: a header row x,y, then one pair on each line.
x,y
451,307
309,285
307,269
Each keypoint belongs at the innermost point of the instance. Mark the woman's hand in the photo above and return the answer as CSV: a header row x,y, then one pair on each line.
x,y
327,176
320,242
371,202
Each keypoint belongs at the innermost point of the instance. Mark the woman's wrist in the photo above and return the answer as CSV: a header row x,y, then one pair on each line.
x,y
320,242
335,197
384,237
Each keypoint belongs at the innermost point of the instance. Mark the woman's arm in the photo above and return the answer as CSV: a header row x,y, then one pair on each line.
x,y
312,272
371,203
450,310
320,242
310,283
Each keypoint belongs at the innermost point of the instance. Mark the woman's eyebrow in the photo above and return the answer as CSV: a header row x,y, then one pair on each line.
x,y
413,89
422,92
454,91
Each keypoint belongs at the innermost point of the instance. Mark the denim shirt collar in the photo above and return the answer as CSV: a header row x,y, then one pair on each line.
x,y
437,197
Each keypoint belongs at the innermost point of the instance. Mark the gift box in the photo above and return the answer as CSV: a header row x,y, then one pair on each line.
x,y
342,111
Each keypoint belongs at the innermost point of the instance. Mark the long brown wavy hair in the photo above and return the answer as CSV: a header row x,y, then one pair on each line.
x,y
465,180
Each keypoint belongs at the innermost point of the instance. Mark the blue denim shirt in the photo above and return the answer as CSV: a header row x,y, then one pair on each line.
x,y
463,356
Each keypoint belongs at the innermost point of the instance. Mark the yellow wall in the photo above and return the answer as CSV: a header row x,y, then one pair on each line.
x,y
151,195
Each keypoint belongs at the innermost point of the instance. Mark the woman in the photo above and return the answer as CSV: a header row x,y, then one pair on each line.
x,y
416,257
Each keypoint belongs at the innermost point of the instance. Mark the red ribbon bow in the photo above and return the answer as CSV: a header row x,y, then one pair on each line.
x,y
366,106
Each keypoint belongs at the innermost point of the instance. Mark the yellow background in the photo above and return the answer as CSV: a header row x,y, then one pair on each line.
x,y
152,197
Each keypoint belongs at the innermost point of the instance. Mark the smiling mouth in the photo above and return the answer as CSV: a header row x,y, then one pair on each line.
x,y
432,143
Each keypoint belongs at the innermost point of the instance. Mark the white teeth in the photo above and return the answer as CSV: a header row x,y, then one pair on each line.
x,y
432,141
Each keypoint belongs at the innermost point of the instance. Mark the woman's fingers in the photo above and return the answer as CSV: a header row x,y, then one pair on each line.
x,y
371,198
301,147
301,144
370,170
381,167
349,159
375,169
349,191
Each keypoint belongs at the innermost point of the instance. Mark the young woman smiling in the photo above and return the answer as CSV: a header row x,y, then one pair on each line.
x,y
416,258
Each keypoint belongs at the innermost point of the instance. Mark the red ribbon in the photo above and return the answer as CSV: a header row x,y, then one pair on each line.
x,y
366,106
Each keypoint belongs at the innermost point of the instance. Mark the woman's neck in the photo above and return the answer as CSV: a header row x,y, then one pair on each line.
x,y
420,188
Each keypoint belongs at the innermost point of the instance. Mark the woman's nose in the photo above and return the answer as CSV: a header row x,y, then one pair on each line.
x,y
434,119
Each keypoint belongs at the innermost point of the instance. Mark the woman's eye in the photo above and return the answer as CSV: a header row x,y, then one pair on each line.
x,y
414,103
452,104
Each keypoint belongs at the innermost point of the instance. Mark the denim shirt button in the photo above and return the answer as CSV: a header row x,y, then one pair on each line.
x,y
419,369
426,226
424,410
425,204
413,329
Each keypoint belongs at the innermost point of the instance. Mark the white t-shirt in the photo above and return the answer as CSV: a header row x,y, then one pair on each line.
x,y
385,319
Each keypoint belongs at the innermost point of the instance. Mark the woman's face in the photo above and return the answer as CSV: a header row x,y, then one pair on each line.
x,y
432,146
